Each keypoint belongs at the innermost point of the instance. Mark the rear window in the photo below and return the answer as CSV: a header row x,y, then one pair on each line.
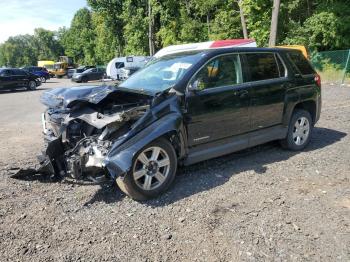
x,y
300,63
263,66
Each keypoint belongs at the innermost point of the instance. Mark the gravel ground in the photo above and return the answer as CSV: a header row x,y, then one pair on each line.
x,y
262,204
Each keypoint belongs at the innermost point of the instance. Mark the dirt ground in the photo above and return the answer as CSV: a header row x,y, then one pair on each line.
x,y
262,204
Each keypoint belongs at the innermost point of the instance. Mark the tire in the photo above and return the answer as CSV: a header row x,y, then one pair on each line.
x,y
31,85
299,131
153,171
84,79
43,79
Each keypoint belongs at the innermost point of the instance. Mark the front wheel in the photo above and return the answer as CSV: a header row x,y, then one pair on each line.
x,y
42,79
31,85
153,171
299,131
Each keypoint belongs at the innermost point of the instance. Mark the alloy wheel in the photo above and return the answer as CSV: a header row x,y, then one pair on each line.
x,y
301,131
32,85
151,168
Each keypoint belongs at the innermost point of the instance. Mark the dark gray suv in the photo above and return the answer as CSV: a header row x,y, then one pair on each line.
x,y
178,110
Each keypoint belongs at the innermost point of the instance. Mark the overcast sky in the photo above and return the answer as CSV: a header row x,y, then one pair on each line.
x,y
22,16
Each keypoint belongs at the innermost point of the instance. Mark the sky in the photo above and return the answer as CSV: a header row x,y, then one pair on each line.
x,y
23,16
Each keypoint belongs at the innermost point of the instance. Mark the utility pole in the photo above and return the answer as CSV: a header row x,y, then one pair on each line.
x,y
150,29
208,24
244,25
274,22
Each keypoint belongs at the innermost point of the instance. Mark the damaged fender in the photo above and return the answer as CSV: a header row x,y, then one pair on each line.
x,y
120,158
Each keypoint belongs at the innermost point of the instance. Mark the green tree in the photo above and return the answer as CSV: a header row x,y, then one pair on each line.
x,y
47,45
111,10
18,51
105,42
79,40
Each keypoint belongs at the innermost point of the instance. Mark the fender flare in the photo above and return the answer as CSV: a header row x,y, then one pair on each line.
x,y
120,157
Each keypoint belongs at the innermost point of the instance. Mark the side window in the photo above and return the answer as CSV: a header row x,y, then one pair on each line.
x,y
5,73
300,63
262,66
21,72
222,71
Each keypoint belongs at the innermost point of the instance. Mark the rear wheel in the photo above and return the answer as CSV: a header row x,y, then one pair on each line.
x,y
299,131
31,85
153,171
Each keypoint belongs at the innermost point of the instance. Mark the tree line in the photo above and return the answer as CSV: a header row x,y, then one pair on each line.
x,y
110,28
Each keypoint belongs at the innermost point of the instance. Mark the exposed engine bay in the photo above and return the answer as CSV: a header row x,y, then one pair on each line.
x,y
81,123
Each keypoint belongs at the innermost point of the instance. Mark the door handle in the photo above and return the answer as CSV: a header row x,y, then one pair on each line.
x,y
241,93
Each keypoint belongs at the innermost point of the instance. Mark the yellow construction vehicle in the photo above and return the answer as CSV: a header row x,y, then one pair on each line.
x,y
61,67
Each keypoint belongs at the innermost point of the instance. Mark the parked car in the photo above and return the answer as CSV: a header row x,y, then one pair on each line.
x,y
88,75
181,108
41,72
126,72
80,69
11,78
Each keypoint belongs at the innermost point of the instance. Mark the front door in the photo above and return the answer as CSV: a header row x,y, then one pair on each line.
x,y
219,108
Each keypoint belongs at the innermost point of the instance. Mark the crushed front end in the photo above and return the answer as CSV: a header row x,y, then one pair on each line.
x,y
81,123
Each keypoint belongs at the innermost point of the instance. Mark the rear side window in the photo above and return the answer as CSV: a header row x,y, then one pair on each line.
x,y
300,63
263,66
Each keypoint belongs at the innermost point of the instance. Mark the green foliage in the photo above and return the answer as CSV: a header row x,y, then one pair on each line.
x,y
79,40
135,21
110,28
25,50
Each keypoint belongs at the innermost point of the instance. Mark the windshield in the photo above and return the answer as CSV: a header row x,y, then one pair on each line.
x,y
57,66
162,73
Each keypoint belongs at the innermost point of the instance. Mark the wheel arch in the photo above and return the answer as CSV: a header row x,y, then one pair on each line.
x,y
308,105
119,159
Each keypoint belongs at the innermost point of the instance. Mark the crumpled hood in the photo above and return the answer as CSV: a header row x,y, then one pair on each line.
x,y
63,97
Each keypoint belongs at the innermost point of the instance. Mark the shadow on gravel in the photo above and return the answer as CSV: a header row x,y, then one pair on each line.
x,y
21,90
205,175
107,193
212,173
31,174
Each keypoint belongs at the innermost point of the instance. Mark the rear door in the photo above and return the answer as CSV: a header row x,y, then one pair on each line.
x,y
268,83
219,109
21,77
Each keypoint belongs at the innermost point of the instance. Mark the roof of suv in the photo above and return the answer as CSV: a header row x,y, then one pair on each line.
x,y
248,50
218,51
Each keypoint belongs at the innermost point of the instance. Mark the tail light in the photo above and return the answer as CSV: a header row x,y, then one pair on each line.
x,y
318,80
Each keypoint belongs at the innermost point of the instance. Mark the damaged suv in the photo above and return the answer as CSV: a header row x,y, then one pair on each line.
x,y
181,108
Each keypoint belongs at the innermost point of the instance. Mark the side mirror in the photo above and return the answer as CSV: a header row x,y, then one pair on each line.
x,y
195,86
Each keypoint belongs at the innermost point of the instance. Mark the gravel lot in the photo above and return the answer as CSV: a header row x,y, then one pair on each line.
x,y
262,204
